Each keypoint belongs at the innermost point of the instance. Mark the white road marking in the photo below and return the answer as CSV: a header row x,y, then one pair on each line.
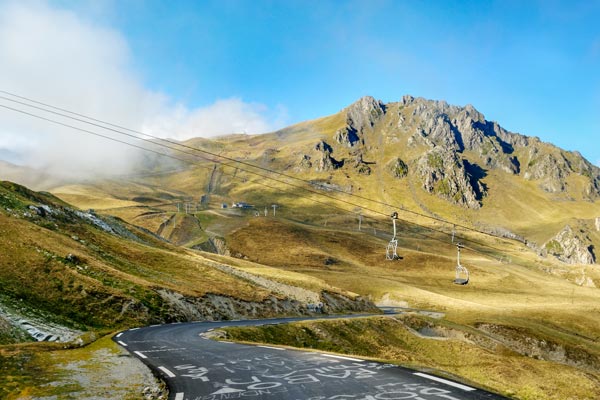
x,y
272,348
179,396
134,329
119,335
166,371
122,343
139,353
225,341
227,390
445,381
342,357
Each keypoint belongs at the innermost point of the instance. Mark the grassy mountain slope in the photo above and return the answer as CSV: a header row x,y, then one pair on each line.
x,y
86,271
490,179
423,158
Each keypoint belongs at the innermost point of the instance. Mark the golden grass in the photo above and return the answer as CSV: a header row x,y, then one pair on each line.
x,y
518,294
309,240
485,364
277,274
111,272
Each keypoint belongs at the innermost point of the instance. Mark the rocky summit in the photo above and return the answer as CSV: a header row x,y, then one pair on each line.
x,y
450,149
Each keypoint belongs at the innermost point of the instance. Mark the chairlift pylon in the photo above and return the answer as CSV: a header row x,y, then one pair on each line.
x,y
462,274
390,252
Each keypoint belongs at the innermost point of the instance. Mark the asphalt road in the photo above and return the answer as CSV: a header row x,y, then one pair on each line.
x,y
196,368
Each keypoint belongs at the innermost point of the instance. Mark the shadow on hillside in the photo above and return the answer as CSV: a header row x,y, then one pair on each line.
x,y
476,174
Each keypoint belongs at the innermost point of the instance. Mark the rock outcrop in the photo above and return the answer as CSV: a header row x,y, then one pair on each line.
x,y
465,131
305,163
398,168
445,175
360,116
212,307
360,166
552,166
550,170
571,246
325,161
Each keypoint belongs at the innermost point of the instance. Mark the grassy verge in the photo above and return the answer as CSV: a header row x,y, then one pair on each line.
x,y
99,370
472,355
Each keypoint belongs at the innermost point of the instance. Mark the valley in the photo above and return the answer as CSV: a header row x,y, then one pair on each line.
x,y
165,244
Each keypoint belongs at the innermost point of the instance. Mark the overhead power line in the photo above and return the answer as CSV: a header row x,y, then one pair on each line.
x,y
233,176
239,162
377,212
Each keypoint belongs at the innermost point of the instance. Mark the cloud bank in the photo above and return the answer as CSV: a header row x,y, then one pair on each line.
x,y
56,56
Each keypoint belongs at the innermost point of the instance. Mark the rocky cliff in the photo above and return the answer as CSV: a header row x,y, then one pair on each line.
x,y
572,246
452,149
361,116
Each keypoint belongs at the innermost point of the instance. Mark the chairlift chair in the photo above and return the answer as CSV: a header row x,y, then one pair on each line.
x,y
390,252
462,274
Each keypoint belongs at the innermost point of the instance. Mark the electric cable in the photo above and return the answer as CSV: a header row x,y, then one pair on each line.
x,y
225,164
239,162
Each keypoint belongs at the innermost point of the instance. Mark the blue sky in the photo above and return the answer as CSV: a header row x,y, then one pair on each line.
x,y
532,66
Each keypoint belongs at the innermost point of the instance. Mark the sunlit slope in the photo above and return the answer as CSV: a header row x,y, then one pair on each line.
x,y
220,173
518,312
89,271
66,267
355,261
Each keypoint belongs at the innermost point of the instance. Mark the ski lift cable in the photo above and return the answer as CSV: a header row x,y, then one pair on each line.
x,y
175,149
220,156
259,183
230,159
207,167
174,157
231,175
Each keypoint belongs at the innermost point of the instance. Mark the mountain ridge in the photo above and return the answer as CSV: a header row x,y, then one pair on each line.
x,y
428,156
460,130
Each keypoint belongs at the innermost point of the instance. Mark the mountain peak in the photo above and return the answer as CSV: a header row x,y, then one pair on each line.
x,y
360,117
366,103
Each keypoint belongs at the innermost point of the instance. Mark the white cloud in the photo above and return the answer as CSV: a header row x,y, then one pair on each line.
x,y
54,55
224,116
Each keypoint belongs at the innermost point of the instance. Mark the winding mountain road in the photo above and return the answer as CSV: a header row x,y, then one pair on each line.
x,y
197,368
